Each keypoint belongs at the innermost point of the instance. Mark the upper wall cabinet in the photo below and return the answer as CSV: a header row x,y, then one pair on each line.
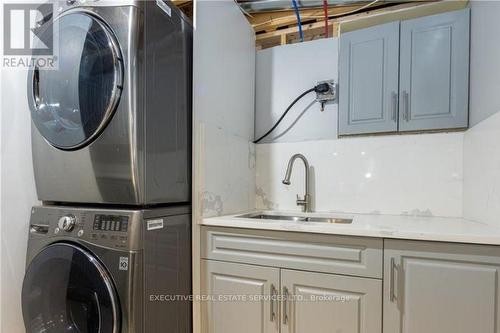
x,y
434,72
432,59
368,64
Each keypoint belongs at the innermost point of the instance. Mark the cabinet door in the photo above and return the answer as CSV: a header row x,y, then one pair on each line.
x,y
368,76
229,313
441,288
325,303
434,72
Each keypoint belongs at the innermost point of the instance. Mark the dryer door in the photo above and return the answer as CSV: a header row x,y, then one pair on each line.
x,y
66,289
71,105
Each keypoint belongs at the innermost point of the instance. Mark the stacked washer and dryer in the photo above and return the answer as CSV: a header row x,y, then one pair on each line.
x,y
110,249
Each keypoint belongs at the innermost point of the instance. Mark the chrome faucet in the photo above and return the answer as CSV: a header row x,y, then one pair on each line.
x,y
306,201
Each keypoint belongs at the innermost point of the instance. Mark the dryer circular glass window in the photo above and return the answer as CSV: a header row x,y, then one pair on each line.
x,y
71,105
66,289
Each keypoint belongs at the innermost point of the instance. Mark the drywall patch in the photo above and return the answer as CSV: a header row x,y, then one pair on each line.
x,y
212,204
266,203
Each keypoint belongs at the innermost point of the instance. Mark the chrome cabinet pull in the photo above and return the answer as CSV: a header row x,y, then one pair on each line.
x,y
392,288
406,101
394,106
285,305
273,301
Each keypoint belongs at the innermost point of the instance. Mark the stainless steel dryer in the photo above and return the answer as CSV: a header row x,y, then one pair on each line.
x,y
108,271
113,123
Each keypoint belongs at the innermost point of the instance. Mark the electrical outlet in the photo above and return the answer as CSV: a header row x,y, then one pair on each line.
x,y
327,96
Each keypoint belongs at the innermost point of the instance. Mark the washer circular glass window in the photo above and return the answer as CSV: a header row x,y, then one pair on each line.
x,y
72,104
66,289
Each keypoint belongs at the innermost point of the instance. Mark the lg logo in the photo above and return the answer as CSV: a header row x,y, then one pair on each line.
x,y
123,265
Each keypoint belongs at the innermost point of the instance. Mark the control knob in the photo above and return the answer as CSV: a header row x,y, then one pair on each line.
x,y
67,222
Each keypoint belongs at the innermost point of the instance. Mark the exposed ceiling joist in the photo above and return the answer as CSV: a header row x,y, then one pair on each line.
x,y
185,6
256,6
274,20
282,28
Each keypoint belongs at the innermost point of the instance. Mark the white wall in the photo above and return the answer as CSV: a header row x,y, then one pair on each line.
x,y
482,141
283,73
224,93
18,195
410,174
224,68
482,171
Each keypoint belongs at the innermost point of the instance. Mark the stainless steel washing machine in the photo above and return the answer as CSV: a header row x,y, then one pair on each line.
x,y
112,125
108,271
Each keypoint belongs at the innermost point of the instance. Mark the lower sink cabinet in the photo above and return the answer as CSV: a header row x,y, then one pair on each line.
x,y
221,279
326,303
441,288
292,301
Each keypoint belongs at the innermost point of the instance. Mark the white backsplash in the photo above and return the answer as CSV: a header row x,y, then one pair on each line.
x,y
400,174
482,171
228,173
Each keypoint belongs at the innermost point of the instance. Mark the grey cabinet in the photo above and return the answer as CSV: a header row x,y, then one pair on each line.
x,y
278,274
361,256
225,314
434,72
279,300
441,288
368,76
325,303
411,75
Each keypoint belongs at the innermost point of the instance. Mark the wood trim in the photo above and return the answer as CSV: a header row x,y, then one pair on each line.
x,y
291,35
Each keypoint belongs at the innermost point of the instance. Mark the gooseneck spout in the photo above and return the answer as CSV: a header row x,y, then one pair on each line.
x,y
305,202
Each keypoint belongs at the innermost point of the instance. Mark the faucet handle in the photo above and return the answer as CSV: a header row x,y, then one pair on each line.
x,y
304,202
301,201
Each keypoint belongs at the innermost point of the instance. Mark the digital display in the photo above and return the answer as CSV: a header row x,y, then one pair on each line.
x,y
111,223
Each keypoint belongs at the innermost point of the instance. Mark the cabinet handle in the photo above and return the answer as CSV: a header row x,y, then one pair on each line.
x,y
394,96
285,305
392,291
273,293
406,101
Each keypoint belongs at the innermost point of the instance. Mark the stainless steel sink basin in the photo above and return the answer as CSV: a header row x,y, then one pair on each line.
x,y
332,220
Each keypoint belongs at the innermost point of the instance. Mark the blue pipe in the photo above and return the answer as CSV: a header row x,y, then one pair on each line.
x,y
297,13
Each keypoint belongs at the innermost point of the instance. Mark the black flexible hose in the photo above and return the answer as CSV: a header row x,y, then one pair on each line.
x,y
284,113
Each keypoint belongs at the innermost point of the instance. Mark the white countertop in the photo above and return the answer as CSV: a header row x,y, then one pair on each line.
x,y
381,226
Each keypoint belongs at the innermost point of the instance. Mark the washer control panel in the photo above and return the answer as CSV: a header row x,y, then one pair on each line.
x,y
110,223
118,229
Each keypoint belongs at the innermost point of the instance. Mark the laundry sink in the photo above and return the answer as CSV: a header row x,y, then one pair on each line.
x,y
262,216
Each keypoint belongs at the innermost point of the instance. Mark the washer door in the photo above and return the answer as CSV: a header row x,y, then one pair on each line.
x,y
66,289
72,105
